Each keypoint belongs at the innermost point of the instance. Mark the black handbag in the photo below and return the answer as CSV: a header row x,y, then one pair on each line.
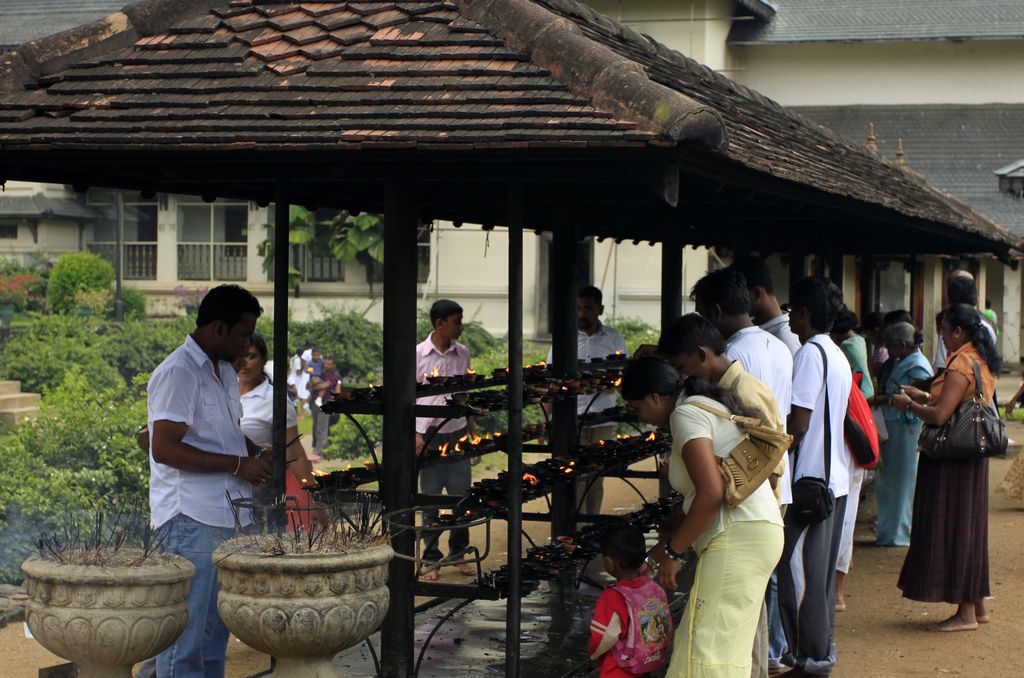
x,y
813,500
973,431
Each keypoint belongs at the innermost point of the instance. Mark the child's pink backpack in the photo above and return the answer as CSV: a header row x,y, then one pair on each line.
x,y
650,628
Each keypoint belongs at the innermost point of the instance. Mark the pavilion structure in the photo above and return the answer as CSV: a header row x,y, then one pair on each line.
x,y
526,114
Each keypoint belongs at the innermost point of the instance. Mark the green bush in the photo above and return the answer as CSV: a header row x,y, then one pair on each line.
x,y
355,342
80,454
109,354
76,272
636,332
134,303
41,355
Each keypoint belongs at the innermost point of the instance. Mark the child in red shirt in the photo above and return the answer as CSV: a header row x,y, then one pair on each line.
x,y
631,627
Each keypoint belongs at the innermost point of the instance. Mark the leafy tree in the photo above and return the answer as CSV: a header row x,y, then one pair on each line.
x,y
77,272
49,346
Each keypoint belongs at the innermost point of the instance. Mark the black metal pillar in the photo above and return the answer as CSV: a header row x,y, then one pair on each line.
x,y
564,328
835,268
119,256
671,304
281,227
399,456
671,281
515,426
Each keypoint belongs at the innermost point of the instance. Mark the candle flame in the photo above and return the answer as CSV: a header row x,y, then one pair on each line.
x,y
530,478
569,470
367,462
601,443
476,439
470,372
444,449
617,383
650,438
435,372
349,467
318,472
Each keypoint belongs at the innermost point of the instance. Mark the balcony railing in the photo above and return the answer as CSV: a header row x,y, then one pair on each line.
x,y
212,261
138,259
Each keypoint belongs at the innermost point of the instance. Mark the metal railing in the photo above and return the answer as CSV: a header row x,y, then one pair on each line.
x,y
212,261
138,259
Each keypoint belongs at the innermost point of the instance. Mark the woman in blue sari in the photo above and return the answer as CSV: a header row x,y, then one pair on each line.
x,y
897,473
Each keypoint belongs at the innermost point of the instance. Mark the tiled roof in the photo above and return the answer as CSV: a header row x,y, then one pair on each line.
x,y
25,20
430,75
317,73
42,206
956,148
881,20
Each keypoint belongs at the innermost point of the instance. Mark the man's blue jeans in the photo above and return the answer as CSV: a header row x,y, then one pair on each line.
x,y
776,635
199,650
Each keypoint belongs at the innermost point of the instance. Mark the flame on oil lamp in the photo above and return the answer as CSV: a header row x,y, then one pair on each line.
x,y
618,353
497,434
435,372
650,438
444,449
530,478
476,439
601,443
569,470
318,472
470,372
617,383
349,467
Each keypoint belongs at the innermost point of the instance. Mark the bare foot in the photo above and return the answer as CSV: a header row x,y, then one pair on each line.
x,y
955,623
429,576
466,569
840,605
981,614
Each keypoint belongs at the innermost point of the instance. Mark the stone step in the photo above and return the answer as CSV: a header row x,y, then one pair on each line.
x,y
7,387
12,417
13,401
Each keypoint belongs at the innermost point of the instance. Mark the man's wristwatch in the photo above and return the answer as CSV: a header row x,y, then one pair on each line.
x,y
651,563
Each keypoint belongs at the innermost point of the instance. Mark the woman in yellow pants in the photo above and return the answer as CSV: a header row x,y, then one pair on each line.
x,y
738,547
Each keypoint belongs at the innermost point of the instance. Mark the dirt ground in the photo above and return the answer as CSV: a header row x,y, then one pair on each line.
x,y
881,635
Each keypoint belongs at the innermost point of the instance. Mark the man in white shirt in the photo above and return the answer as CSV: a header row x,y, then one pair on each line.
x,y
821,374
594,339
199,456
764,306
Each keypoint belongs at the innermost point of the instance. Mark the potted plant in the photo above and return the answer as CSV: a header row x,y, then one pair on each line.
x,y
306,595
189,298
103,595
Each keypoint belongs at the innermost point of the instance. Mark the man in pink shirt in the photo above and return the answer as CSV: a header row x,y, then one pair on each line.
x,y
440,354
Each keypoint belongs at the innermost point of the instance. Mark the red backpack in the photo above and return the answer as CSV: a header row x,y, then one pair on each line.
x,y
860,429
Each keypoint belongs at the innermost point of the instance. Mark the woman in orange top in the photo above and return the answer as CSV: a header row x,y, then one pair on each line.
x,y
948,556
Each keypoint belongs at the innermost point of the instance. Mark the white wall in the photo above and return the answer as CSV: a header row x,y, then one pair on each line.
x,y
927,72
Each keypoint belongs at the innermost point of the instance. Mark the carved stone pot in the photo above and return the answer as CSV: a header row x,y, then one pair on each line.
x,y
106,618
303,608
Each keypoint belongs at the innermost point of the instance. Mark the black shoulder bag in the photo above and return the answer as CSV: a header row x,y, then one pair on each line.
x,y
813,501
973,431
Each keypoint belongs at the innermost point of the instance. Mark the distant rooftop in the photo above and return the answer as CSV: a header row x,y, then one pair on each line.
x,y
958,149
802,21
24,20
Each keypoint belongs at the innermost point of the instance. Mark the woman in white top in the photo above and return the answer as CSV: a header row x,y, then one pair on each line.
x,y
737,547
257,396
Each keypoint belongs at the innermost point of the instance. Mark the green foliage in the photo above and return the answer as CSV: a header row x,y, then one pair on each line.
x,y
40,356
75,457
363,234
347,443
355,342
134,303
138,346
74,272
109,354
636,332
477,339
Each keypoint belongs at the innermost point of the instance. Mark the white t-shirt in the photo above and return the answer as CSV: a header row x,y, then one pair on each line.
x,y
602,343
765,357
778,327
808,392
258,414
688,423
184,389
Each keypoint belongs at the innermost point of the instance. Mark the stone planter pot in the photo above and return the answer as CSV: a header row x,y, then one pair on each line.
x,y
105,619
303,608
